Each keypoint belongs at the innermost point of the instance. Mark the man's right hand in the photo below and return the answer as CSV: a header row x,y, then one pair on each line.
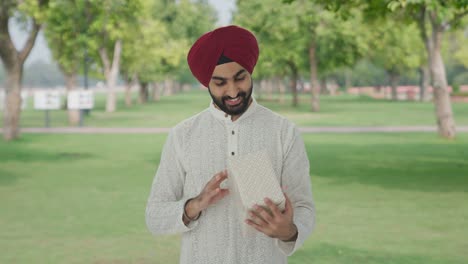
x,y
211,194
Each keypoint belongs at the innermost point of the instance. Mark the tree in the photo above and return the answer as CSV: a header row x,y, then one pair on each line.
x,y
186,21
65,32
441,15
434,18
149,52
32,14
395,46
110,21
280,40
333,43
300,34
156,50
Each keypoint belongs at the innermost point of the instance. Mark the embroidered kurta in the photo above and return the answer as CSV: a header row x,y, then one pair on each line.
x,y
198,148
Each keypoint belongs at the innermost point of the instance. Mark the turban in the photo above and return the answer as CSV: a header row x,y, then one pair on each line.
x,y
231,43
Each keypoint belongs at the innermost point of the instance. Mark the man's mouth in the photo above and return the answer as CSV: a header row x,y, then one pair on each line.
x,y
233,101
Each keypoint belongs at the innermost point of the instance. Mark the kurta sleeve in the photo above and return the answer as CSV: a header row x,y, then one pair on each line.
x,y
165,206
295,179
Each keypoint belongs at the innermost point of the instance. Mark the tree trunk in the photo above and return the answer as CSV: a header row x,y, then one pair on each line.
x,y
186,87
144,94
394,78
156,92
424,81
314,83
111,71
348,79
12,106
177,87
276,86
128,93
168,87
293,83
333,88
129,82
323,86
13,61
263,86
73,114
269,86
443,105
282,91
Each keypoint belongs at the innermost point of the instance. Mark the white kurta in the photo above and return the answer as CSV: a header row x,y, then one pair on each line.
x,y
198,148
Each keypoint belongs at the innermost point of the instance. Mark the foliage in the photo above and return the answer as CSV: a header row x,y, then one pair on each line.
x,y
395,46
66,33
277,30
286,32
186,21
42,75
157,46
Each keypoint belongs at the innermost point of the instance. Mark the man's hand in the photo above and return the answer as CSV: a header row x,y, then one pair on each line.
x,y
275,224
210,194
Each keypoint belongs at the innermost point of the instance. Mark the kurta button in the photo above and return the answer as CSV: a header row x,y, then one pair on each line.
x,y
232,153
233,132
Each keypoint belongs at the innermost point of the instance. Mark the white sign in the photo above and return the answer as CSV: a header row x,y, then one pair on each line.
x,y
46,100
24,100
81,99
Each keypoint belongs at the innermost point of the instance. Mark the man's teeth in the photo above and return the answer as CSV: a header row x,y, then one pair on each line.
x,y
233,100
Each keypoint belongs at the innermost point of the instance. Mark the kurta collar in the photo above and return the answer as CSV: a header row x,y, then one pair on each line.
x,y
218,114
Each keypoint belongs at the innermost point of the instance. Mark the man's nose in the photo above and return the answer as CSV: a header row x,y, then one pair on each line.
x,y
232,89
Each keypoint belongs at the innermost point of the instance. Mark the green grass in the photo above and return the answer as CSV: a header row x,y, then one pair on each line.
x,y
343,110
381,198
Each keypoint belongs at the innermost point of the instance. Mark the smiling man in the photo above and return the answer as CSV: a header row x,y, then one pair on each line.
x,y
186,195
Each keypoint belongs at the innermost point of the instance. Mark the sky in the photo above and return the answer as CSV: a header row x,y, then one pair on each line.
x,y
41,52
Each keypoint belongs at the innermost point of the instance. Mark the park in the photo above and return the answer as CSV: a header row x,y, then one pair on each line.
x,y
386,134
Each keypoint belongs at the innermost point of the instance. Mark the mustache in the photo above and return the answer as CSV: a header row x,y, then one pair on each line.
x,y
241,94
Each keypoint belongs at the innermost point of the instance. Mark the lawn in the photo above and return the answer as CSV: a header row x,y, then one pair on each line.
x,y
343,110
381,198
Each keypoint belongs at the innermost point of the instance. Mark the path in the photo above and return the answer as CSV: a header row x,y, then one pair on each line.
x,y
162,130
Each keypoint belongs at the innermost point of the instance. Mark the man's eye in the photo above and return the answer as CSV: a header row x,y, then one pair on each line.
x,y
220,84
240,78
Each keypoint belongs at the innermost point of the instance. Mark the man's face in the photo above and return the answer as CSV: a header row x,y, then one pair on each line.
x,y
231,88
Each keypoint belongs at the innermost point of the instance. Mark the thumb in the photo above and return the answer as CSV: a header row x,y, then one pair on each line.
x,y
288,205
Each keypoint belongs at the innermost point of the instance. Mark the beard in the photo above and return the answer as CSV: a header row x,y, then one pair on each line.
x,y
233,110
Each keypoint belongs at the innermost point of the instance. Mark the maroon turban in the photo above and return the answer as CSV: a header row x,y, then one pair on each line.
x,y
232,42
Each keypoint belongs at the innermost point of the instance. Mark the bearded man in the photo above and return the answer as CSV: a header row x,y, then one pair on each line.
x,y
187,196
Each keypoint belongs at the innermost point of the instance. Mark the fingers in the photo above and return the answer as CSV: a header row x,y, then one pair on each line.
x,y
255,225
215,195
217,179
218,194
288,208
272,206
257,218
261,214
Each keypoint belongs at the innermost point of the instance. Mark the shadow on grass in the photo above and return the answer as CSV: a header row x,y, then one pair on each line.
x,y
7,177
328,253
431,167
19,154
24,154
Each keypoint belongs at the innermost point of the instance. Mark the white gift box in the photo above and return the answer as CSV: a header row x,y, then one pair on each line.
x,y
252,178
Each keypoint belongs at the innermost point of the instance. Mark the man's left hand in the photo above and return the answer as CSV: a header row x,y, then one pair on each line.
x,y
275,224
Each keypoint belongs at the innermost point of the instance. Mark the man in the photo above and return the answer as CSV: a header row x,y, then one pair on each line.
x,y
186,195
